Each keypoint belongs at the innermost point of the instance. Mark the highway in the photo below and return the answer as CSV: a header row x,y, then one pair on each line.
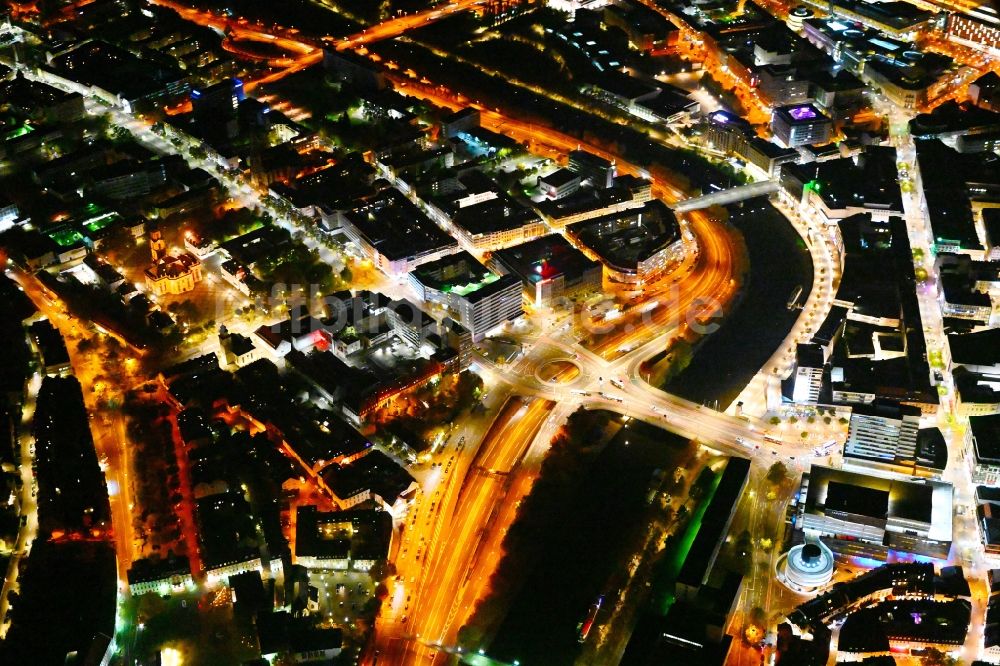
x,y
461,548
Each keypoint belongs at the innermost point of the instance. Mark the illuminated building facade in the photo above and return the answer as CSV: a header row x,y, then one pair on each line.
x,y
800,124
170,273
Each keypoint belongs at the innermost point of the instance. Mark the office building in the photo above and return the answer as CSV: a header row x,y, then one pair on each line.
x,y
549,268
219,100
806,381
800,124
731,134
636,246
395,234
481,299
559,183
599,172
883,436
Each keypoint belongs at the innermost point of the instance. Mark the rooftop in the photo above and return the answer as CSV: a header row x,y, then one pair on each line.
x,y
929,502
545,258
396,228
625,239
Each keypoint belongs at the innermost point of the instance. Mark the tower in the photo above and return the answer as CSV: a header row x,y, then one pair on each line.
x,y
157,246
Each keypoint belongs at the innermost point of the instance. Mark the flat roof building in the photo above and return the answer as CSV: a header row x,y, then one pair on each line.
x,y
549,268
480,298
395,234
635,245
800,124
883,436
862,514
984,437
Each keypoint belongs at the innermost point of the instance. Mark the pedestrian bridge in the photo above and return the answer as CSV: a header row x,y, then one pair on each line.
x,y
729,196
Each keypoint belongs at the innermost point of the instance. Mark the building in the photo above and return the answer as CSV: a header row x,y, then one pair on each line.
x,y
697,567
373,478
883,436
728,133
871,516
162,576
170,273
559,183
220,100
979,28
988,518
840,188
636,245
800,125
782,84
899,20
984,92
485,217
983,438
808,566
298,638
597,171
395,234
549,268
905,74
236,351
346,540
460,121
806,382
481,299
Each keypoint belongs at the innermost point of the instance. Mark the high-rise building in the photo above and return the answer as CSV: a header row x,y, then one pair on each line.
x,y
480,299
221,98
800,124
883,435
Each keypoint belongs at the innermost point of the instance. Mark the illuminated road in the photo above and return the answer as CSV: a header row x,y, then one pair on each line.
x,y
106,426
291,41
460,549
29,507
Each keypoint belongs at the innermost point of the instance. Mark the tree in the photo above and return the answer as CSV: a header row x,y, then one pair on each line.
x,y
382,570
934,657
777,472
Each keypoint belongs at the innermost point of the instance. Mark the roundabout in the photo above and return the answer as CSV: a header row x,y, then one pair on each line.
x,y
558,372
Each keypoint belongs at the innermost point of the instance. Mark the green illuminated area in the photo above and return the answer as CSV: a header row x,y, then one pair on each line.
x,y
18,131
471,287
67,237
674,558
100,222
